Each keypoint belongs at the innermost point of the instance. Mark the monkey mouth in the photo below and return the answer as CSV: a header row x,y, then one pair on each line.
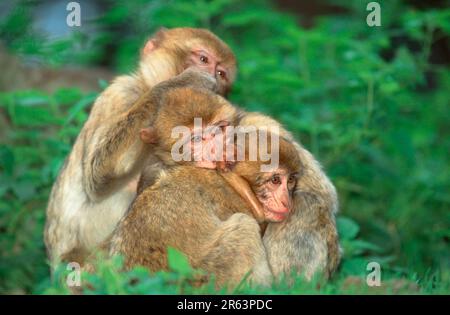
x,y
278,215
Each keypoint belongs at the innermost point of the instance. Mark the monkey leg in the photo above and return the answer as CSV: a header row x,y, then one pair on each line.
x,y
234,251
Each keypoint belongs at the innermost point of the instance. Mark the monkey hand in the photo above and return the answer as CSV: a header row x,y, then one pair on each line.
x,y
197,78
242,187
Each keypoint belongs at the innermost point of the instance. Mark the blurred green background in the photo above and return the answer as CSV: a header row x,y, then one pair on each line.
x,y
371,103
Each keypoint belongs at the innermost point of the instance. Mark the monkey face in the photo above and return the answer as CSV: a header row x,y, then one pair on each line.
x,y
209,146
275,194
189,47
208,61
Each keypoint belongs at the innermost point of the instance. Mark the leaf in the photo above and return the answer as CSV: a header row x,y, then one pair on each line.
x,y
6,160
354,266
245,17
347,228
33,116
67,96
31,98
178,262
24,190
80,106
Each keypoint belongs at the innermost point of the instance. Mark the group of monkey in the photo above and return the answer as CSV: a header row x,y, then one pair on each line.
x,y
121,192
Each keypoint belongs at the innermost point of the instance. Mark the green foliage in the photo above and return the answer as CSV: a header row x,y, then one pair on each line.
x,y
365,101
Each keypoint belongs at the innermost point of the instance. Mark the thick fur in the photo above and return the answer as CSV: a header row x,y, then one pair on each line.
x,y
97,183
98,180
196,212
307,242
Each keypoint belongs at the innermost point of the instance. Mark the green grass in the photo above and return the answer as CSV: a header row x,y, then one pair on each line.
x,y
379,126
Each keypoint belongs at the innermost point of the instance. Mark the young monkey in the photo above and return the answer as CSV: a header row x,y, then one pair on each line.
x,y
199,210
187,97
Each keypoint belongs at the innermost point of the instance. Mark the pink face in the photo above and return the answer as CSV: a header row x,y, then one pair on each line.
x,y
275,195
208,62
205,143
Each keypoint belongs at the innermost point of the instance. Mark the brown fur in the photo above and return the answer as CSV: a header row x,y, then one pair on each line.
x,y
98,180
196,211
307,242
81,213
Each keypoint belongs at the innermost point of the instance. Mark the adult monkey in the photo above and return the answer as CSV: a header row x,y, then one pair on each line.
x,y
98,180
92,191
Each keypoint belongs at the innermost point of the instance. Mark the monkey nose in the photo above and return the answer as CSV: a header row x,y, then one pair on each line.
x,y
212,71
286,204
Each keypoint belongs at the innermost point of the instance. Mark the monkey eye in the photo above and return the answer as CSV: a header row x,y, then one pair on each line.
x,y
275,179
292,178
203,59
222,74
196,138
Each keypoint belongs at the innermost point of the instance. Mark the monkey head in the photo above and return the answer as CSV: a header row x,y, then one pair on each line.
x,y
193,120
273,186
170,51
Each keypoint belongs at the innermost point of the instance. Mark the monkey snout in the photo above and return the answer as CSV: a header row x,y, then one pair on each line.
x,y
286,205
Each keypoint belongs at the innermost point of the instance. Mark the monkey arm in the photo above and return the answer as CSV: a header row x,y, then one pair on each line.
x,y
241,186
114,150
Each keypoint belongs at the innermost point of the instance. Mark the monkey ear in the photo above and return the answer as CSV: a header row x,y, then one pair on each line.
x,y
152,43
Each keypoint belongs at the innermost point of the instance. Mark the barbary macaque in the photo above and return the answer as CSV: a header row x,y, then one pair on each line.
x,y
198,211
179,102
97,182
179,106
307,241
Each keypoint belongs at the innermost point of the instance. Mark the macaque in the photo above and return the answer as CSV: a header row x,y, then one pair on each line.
x,y
178,105
307,241
97,182
198,210
178,102
304,241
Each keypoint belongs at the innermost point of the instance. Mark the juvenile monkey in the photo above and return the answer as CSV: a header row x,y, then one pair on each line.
x,y
307,242
98,180
177,103
198,212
